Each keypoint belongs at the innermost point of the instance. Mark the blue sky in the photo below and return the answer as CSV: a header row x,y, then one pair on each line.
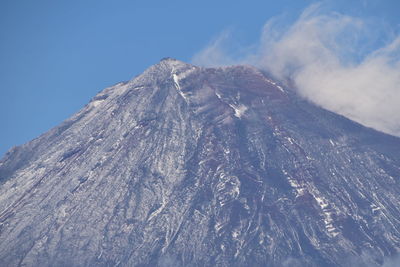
x,y
56,55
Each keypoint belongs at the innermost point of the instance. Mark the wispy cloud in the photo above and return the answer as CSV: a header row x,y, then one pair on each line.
x,y
333,60
216,53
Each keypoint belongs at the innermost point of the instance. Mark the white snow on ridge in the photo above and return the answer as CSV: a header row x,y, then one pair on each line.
x,y
178,77
181,75
239,110
178,86
327,213
374,208
95,103
156,212
300,189
278,86
176,80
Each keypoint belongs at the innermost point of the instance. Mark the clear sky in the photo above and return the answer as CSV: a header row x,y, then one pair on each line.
x,y
56,55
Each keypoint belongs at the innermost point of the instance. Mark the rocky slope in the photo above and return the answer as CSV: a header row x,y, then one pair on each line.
x,y
189,166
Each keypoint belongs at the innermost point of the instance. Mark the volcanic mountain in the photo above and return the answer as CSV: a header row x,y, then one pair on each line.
x,y
190,166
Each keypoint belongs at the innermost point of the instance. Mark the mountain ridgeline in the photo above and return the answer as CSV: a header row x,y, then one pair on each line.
x,y
190,166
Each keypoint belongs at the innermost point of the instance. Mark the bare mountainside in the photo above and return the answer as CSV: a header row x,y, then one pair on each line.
x,y
189,166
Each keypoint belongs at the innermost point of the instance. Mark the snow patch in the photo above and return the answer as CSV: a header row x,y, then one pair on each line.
x,y
218,95
327,213
276,85
157,211
300,189
291,141
97,102
239,110
374,207
178,86
180,76
280,88
176,81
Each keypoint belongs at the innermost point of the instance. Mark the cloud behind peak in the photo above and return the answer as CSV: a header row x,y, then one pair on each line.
x,y
343,63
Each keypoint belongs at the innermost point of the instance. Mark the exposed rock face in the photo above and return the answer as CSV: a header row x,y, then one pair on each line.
x,y
187,166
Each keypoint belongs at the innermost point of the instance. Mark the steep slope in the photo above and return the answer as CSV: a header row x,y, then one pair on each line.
x,y
198,166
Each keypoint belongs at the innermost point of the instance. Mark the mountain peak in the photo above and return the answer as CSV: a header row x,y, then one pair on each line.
x,y
201,166
173,62
169,59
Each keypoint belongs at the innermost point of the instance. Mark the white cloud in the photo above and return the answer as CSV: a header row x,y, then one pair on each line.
x,y
329,58
215,54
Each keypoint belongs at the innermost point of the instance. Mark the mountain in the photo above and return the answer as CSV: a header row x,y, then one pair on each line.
x,y
190,166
